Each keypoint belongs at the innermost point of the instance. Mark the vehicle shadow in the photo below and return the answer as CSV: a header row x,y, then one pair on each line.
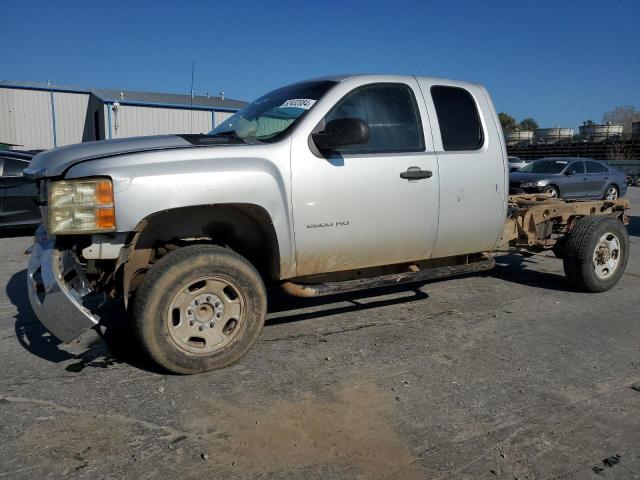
x,y
281,303
514,268
10,232
116,342
29,331
634,226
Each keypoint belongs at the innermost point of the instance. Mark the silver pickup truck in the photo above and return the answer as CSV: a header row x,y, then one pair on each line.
x,y
320,187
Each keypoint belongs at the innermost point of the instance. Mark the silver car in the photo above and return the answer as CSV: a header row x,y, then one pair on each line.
x,y
569,177
516,163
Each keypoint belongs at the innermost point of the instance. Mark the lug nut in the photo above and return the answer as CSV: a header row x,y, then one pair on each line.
x,y
197,301
192,323
201,327
219,314
218,304
211,325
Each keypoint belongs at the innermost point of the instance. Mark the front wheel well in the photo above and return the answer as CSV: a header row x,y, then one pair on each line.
x,y
244,228
552,185
609,185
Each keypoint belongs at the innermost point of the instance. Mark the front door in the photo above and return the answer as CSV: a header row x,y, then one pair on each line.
x,y
353,208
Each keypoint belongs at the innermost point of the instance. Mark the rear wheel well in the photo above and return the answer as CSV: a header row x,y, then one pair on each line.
x,y
244,228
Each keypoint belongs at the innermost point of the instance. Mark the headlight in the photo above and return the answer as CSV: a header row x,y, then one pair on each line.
x,y
526,184
81,206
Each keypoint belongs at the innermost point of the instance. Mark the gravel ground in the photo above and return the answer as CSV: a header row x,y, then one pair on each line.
x,y
509,374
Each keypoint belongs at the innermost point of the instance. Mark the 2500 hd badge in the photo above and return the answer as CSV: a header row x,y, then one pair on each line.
x,y
339,223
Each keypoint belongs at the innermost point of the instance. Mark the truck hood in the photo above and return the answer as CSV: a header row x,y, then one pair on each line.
x,y
55,162
517,177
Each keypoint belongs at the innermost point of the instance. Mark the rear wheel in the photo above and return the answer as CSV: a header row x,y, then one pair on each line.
x,y
596,253
551,190
611,193
199,308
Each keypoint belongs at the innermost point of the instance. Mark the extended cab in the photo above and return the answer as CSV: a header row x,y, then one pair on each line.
x,y
320,187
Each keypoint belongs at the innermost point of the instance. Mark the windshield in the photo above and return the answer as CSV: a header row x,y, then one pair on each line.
x,y
271,115
545,166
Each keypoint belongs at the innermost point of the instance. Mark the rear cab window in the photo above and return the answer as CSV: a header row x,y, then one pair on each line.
x,y
458,117
12,167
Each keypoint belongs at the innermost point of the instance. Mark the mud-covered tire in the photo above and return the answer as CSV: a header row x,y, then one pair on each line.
x,y
581,257
168,279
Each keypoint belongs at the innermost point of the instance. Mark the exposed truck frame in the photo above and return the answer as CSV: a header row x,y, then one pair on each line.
x,y
533,220
535,223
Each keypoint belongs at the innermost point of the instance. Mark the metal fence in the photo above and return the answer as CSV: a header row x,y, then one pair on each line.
x,y
610,151
630,167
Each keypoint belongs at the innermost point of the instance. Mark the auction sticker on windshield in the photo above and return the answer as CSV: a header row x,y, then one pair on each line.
x,y
304,103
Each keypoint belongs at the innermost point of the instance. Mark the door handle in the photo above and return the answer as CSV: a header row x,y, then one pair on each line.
x,y
416,173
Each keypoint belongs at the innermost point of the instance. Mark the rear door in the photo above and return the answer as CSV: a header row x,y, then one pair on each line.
x,y
18,205
474,172
597,176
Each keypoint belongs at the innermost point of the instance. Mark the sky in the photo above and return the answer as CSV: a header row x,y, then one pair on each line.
x,y
560,62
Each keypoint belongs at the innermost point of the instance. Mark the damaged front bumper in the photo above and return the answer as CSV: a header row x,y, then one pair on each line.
x,y
58,289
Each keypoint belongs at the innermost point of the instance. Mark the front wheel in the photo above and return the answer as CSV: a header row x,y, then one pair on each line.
x,y
199,308
596,253
611,193
551,190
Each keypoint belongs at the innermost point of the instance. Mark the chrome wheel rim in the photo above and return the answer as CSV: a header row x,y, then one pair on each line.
x,y
206,315
553,192
612,193
606,256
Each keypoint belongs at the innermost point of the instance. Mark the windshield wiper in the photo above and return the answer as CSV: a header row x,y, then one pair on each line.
x,y
230,134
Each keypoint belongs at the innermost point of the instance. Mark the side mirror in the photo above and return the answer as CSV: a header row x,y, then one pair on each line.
x,y
342,132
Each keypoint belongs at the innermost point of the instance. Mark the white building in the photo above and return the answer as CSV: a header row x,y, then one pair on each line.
x,y
36,116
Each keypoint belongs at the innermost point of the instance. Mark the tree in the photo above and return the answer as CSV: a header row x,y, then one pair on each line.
x,y
528,124
588,123
507,121
623,115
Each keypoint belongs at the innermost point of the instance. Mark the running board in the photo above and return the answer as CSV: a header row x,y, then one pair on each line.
x,y
332,288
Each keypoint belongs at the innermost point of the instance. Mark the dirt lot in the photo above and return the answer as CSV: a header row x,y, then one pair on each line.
x,y
505,375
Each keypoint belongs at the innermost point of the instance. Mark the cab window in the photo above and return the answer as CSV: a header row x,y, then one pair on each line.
x,y
12,167
594,167
458,117
391,112
576,167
